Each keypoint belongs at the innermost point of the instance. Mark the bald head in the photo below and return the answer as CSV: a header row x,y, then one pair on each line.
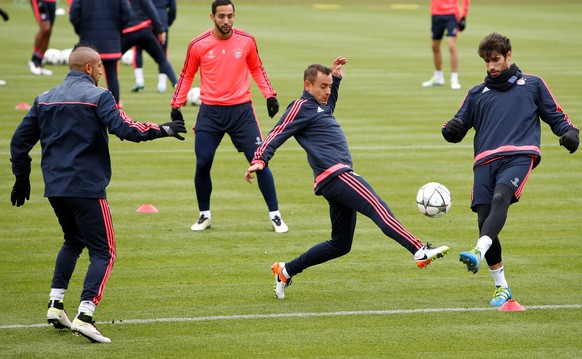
x,y
87,60
81,56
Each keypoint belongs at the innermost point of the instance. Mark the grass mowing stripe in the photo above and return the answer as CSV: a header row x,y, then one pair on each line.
x,y
302,315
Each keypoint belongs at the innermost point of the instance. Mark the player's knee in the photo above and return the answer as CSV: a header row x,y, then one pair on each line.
x,y
500,198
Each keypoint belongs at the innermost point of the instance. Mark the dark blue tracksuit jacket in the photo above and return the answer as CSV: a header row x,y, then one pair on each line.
x,y
72,122
508,122
317,131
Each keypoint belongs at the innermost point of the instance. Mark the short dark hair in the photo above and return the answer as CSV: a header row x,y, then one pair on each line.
x,y
494,42
217,3
312,70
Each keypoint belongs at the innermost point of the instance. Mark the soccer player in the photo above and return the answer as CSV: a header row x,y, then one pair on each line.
x,y
167,13
225,56
100,23
72,121
311,121
145,29
446,15
505,111
44,13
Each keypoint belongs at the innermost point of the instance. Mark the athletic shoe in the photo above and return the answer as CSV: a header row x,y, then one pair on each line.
x,y
202,224
84,325
2,83
137,88
281,282
472,260
162,88
433,82
38,70
428,253
57,316
455,85
500,296
279,225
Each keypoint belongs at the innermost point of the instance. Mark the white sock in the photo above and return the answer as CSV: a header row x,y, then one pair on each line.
x,y
438,75
57,294
483,245
454,77
273,214
162,78
139,80
285,272
499,277
87,307
205,214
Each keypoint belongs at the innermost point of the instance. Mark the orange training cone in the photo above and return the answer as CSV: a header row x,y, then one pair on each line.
x,y
22,106
147,208
511,306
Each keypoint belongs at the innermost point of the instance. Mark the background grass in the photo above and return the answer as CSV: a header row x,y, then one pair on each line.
x,y
393,126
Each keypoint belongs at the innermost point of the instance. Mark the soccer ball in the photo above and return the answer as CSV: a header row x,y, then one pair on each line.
x,y
65,53
127,58
433,200
194,96
52,57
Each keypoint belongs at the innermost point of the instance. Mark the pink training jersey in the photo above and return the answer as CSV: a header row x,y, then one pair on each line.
x,y
448,7
224,66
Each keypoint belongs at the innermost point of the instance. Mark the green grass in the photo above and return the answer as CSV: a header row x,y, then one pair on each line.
x,y
219,280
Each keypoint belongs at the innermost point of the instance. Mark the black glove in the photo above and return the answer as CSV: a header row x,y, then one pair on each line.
x,y
20,191
462,24
176,114
174,128
454,130
570,140
272,106
4,15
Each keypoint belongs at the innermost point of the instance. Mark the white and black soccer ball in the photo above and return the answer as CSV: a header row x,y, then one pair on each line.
x,y
65,53
433,200
194,96
127,58
52,57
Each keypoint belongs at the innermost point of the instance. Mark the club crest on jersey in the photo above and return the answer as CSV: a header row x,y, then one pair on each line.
x,y
237,53
211,54
521,81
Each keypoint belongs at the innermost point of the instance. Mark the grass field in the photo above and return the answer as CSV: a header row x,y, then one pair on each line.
x,y
175,293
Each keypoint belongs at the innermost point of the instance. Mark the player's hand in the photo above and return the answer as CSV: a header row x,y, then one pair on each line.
x,y
20,191
162,37
176,114
570,140
4,15
336,67
272,106
174,128
454,130
462,24
252,169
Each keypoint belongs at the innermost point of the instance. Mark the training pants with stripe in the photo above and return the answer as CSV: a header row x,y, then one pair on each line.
x,y
86,223
348,194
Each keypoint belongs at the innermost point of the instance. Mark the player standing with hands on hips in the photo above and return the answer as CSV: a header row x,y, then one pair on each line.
x,y
505,111
72,122
310,120
225,56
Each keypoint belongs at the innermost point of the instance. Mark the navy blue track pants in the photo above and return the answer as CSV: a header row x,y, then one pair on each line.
x,y
348,194
86,223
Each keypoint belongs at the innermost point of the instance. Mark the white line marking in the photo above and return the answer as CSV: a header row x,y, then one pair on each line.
x,y
300,315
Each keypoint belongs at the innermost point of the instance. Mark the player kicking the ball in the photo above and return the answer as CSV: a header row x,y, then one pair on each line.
x,y
310,120
504,111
